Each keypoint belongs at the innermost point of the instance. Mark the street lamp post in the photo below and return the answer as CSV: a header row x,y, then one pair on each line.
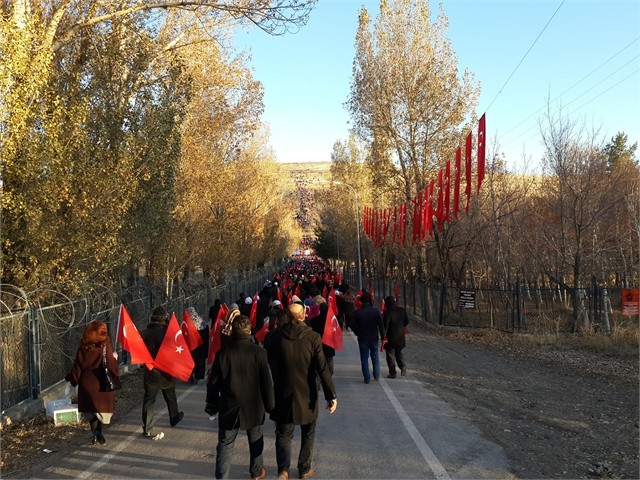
x,y
337,182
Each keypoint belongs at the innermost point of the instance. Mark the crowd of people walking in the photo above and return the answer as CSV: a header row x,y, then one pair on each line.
x,y
268,354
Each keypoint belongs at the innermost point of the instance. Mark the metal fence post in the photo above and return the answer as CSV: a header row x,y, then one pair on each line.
x,y
443,299
34,352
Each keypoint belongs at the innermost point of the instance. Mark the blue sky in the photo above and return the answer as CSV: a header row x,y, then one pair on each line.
x,y
587,59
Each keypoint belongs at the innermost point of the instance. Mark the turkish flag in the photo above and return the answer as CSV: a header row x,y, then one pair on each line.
x,y
396,290
190,332
127,334
447,191
222,313
456,185
253,315
260,334
215,341
440,213
332,335
467,169
331,300
482,134
174,357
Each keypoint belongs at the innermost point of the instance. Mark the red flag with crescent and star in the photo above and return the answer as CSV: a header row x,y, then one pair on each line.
x,y
332,335
190,332
174,357
127,334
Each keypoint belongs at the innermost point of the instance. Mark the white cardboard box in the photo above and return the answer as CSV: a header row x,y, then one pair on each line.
x,y
66,415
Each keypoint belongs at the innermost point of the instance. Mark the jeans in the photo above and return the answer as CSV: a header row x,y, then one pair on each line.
x,y
226,438
149,400
284,435
369,349
393,355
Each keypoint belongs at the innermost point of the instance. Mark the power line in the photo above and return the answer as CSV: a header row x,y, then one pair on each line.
x,y
576,84
525,56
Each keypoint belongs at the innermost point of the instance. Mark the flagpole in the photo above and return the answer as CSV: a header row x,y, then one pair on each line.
x,y
338,182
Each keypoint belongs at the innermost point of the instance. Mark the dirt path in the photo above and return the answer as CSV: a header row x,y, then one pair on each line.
x,y
557,413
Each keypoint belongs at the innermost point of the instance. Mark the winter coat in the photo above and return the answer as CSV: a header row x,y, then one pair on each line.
x,y
86,374
153,336
296,360
239,385
395,319
317,323
367,324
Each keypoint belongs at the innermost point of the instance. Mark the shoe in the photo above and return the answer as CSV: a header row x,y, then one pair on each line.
x,y
157,436
376,378
263,474
283,475
94,440
100,438
403,371
391,375
308,474
367,381
175,420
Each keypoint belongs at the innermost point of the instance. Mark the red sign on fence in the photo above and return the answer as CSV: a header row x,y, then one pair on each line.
x,y
630,301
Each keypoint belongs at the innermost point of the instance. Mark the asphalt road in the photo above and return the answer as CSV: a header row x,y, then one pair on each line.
x,y
391,428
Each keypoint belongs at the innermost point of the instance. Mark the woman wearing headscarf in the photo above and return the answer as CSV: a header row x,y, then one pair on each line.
x,y
96,406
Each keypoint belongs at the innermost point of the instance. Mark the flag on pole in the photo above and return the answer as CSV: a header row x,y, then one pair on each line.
x,y
260,334
174,357
332,335
456,185
467,168
190,332
253,315
482,133
127,334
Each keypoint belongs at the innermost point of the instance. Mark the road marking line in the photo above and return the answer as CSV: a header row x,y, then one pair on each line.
x,y
434,464
125,443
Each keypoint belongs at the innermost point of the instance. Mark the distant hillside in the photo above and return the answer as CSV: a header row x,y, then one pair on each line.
x,y
307,181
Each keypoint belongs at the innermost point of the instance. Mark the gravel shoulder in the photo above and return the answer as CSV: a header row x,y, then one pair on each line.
x,y
557,412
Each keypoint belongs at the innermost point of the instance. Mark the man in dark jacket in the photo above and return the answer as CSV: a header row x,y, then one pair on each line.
x,y
296,360
368,327
395,320
240,390
155,379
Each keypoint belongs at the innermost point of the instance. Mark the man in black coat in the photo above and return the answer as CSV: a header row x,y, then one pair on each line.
x,y
368,327
155,379
317,323
296,360
395,320
240,390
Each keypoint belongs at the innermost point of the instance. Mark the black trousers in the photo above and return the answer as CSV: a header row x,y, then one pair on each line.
x,y
148,403
284,435
394,355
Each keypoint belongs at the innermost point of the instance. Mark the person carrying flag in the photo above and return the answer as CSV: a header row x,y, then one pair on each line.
x,y
317,323
295,356
240,390
155,380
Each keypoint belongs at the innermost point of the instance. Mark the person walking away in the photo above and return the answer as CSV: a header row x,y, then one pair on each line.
x,y
200,353
295,356
368,327
395,320
240,390
317,323
349,308
156,380
96,406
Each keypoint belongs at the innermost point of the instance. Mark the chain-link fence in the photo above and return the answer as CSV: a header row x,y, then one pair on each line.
x,y
521,308
40,338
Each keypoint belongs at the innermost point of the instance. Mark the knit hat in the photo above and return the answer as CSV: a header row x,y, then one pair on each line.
x,y
160,315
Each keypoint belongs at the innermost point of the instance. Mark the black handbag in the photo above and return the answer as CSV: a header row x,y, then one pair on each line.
x,y
107,382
